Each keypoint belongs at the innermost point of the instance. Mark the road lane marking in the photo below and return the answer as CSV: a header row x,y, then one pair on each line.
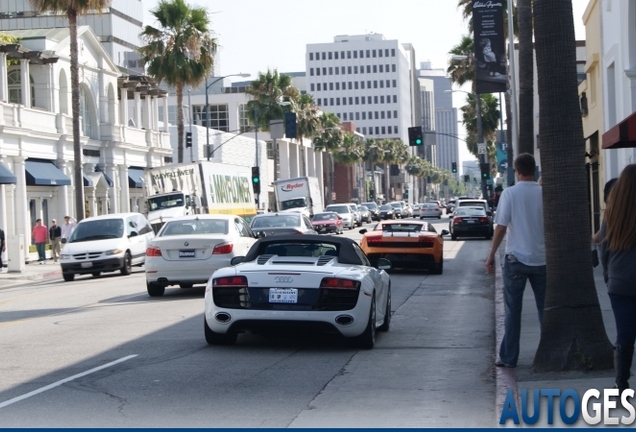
x,y
65,380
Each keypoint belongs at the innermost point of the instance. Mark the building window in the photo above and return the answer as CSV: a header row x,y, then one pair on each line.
x,y
355,69
330,86
350,85
270,149
218,116
379,53
85,113
370,115
393,67
331,101
337,70
348,54
394,98
395,129
342,55
318,102
361,53
337,101
375,99
318,86
330,70
382,99
364,130
330,55
386,52
383,128
349,70
355,54
382,69
350,116
244,118
368,68
350,100
344,116
392,52
357,100
382,115
311,71
364,115
375,68
355,85
382,84
335,54
14,83
363,100
394,83
318,71
377,115
395,114
337,86
368,52
312,87
374,53
342,70
362,84
324,71
323,56
311,56
357,116
375,84
377,130
344,100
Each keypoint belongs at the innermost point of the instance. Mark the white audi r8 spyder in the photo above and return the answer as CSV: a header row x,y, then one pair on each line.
x,y
307,282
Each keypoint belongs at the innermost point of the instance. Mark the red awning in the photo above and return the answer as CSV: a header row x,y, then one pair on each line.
x,y
623,135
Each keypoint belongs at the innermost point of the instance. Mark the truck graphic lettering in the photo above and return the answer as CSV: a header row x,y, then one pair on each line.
x,y
230,189
291,186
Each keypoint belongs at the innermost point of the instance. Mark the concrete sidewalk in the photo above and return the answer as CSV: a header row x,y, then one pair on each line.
x,y
32,271
523,376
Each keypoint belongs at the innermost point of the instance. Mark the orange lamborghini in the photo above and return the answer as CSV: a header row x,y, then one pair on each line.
x,y
407,244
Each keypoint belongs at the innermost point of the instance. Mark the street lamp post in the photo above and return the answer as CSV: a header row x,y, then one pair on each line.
x,y
207,109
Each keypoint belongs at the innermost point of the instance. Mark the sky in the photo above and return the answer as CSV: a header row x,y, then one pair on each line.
x,y
256,35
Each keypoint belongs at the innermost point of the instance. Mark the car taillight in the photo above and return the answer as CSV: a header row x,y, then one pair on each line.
x,y
457,220
230,282
223,248
298,232
483,219
426,242
374,239
338,283
153,251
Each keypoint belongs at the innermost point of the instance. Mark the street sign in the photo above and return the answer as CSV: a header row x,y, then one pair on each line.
x,y
481,148
333,196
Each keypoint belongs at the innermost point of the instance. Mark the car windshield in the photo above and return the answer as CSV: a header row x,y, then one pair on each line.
x,y
430,206
293,203
299,249
402,227
386,207
195,226
324,216
339,209
276,221
471,204
98,230
396,205
470,211
371,206
166,201
363,208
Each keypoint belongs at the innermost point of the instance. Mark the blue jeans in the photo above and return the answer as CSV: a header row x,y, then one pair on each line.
x,y
515,276
40,248
624,308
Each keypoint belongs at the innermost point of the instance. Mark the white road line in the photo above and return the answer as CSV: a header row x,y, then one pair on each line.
x,y
65,380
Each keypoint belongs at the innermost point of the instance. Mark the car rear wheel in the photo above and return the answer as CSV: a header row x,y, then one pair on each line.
x,y
387,314
68,277
155,289
438,268
127,267
367,339
214,338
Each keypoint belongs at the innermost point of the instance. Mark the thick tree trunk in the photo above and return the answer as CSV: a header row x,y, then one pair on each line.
x,y
78,172
526,77
573,334
180,143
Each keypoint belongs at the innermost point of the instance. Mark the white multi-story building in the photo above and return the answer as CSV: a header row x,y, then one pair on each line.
x,y
363,79
117,27
36,138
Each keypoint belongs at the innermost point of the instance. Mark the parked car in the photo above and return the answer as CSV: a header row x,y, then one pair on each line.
x,y
430,209
387,212
345,212
365,214
450,206
397,209
356,213
470,222
106,243
407,244
299,283
281,223
475,203
416,210
327,222
374,208
188,249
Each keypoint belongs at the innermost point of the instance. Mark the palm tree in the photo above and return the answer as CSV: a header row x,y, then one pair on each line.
x,y
308,123
490,117
573,334
351,152
328,140
526,77
394,152
180,51
73,9
268,91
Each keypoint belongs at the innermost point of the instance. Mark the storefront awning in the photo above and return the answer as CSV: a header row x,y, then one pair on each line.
x,y
108,179
6,176
44,173
623,135
135,177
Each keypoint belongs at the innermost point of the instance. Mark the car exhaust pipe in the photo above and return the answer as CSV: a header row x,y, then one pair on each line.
x,y
344,320
223,317
162,281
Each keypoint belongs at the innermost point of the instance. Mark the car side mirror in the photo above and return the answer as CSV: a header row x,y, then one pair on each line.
x,y
259,234
383,264
445,232
236,260
362,231
133,234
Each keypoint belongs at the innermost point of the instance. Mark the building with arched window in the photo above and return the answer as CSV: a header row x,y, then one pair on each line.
x,y
36,130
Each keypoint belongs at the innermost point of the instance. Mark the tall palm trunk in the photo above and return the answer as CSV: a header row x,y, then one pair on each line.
x,y
526,77
78,173
573,334
179,91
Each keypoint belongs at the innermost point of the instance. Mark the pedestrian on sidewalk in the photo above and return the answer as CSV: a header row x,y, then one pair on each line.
x,y
55,236
596,238
520,215
40,235
68,228
3,247
618,255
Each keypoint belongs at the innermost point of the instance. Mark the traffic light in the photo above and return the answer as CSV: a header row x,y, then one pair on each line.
x,y
290,125
415,136
188,139
485,170
454,165
406,194
256,180
371,194
466,178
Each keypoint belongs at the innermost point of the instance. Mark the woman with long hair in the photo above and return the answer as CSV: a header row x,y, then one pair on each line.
x,y
618,256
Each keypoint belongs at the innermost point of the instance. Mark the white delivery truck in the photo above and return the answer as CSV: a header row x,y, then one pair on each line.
x,y
196,188
300,194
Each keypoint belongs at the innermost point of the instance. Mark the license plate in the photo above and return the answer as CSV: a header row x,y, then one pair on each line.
x,y
283,295
87,264
470,221
186,254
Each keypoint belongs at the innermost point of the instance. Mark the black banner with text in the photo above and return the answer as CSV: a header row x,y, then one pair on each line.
x,y
490,47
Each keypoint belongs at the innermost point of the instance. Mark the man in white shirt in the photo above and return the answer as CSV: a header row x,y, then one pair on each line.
x,y
520,215
68,227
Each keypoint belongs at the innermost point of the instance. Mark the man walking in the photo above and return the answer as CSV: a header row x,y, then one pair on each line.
x,y
40,235
55,236
67,228
520,215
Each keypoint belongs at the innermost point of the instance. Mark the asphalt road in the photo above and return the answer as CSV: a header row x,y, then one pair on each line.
x,y
101,353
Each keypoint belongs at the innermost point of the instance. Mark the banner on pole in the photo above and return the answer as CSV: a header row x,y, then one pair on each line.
x,y
490,47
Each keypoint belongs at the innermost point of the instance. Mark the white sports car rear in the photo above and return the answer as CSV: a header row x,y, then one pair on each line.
x,y
296,282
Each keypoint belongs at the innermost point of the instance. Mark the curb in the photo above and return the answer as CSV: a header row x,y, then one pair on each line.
x,y
505,377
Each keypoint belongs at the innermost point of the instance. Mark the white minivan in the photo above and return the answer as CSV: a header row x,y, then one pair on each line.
x,y
106,243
